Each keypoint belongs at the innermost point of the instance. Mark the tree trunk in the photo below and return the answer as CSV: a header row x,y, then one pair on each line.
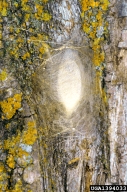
x,y
63,95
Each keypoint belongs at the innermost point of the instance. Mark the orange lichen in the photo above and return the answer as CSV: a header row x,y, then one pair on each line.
x,y
10,106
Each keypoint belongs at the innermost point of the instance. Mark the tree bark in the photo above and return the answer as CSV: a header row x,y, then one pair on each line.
x,y
48,144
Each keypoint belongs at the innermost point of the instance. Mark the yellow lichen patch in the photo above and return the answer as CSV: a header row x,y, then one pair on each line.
x,y
12,145
17,42
0,34
8,126
3,8
30,135
84,5
1,45
18,187
20,152
75,160
10,161
91,26
104,96
16,4
23,3
26,55
39,9
99,15
27,16
10,106
3,75
40,14
98,82
3,178
11,142
86,28
98,57
44,48
95,26
44,1
105,4
1,167
46,16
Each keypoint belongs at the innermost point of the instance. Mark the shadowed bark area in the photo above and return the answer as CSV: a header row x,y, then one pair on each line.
x,y
48,144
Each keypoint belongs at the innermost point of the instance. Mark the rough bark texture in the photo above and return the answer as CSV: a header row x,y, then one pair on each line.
x,y
67,153
116,89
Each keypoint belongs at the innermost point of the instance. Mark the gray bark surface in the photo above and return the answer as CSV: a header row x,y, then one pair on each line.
x,y
87,147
